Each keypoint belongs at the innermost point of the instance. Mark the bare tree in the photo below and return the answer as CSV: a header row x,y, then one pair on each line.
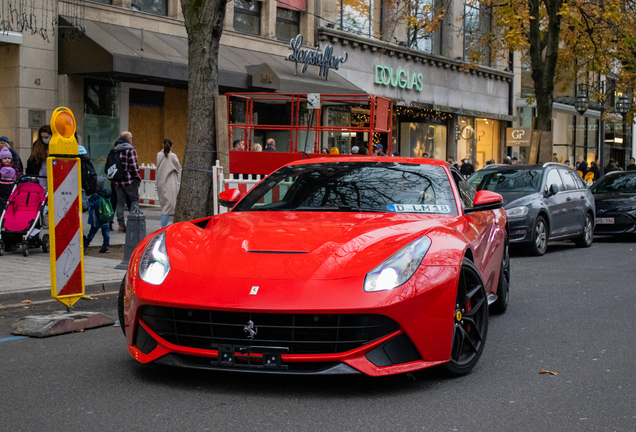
x,y
204,24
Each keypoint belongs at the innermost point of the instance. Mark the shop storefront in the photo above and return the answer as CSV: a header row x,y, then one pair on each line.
x,y
438,109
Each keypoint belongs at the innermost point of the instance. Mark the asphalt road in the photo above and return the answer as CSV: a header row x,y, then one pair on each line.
x,y
570,312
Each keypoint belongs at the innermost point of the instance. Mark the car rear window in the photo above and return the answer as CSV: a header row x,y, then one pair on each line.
x,y
508,180
354,186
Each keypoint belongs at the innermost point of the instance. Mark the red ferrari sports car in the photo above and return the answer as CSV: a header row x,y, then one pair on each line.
x,y
367,265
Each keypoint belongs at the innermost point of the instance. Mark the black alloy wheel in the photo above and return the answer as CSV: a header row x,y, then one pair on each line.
x,y
470,325
503,287
539,237
587,236
120,304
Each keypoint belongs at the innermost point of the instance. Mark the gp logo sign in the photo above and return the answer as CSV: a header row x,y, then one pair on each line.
x,y
518,136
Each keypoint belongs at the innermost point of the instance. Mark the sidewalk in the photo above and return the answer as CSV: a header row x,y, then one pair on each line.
x,y
31,274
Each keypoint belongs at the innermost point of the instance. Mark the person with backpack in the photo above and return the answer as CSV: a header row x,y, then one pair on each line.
x,y
100,214
89,175
122,170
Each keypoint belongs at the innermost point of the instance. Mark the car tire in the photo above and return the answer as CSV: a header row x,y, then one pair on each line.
x,y
587,236
120,305
539,237
503,287
470,321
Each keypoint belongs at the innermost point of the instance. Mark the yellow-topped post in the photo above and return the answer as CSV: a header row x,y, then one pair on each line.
x,y
64,180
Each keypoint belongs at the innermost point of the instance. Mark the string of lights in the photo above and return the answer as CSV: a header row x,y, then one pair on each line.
x,y
416,113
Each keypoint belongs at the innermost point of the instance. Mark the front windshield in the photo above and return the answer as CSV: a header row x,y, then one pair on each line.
x,y
509,180
625,183
354,186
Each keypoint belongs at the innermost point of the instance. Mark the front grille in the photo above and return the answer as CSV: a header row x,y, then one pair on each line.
x,y
300,333
621,223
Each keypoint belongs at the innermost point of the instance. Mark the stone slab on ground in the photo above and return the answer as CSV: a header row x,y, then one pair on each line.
x,y
58,323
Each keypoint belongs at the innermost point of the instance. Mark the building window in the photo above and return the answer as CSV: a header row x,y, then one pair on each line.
x,y
247,16
424,16
100,98
477,24
287,24
157,7
355,16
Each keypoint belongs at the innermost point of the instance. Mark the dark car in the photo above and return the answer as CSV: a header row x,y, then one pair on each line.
x,y
543,202
615,196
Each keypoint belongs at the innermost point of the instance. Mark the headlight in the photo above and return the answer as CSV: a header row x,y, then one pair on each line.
x,y
517,212
154,265
398,268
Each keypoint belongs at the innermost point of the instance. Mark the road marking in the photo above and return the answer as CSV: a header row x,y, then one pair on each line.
x,y
12,338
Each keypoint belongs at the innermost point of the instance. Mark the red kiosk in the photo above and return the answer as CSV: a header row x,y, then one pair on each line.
x,y
302,125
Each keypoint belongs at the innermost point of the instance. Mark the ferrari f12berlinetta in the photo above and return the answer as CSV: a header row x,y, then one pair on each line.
x,y
368,265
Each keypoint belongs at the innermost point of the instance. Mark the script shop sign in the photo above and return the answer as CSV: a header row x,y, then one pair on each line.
x,y
518,136
324,60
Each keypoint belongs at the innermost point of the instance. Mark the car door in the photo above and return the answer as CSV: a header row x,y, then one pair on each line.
x,y
479,231
575,212
557,204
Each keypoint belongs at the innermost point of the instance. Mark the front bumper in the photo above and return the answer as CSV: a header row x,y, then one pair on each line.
x,y
624,223
521,229
421,338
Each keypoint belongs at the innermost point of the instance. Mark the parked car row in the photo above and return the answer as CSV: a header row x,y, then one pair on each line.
x,y
552,202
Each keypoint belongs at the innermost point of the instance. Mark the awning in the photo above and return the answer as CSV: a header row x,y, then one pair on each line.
x,y
131,54
298,5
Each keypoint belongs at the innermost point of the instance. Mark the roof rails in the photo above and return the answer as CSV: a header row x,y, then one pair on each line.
x,y
555,163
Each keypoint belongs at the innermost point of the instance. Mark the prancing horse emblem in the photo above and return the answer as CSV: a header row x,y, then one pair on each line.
x,y
250,330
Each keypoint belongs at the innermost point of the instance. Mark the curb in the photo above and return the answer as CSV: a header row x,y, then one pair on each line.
x,y
98,286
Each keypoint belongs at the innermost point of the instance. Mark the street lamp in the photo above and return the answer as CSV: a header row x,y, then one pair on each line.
x,y
581,103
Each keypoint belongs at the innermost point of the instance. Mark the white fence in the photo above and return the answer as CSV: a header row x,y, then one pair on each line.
x,y
148,188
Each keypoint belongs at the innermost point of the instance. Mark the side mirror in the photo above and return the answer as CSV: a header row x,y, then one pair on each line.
x,y
486,200
553,190
230,197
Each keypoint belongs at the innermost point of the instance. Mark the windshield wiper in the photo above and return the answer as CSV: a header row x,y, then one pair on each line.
x,y
340,208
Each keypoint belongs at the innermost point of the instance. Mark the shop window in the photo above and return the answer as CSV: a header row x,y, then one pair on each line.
x,y
487,145
527,84
287,24
419,138
145,98
356,16
477,24
247,16
157,7
419,38
100,98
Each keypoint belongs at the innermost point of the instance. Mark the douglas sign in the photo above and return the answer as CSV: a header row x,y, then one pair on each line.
x,y
324,60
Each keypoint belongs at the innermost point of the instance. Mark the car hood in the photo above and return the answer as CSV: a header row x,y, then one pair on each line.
x,y
294,245
612,200
514,199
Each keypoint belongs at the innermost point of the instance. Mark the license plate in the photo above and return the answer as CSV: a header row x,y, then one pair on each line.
x,y
604,221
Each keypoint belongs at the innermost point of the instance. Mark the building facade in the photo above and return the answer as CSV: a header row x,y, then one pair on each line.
x,y
127,70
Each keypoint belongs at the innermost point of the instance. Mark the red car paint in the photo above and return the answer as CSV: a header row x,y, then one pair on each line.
x,y
212,268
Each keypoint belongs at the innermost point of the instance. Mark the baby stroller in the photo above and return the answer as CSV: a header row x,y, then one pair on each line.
x,y
22,216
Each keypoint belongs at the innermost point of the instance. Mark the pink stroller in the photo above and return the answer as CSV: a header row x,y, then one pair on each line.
x,y
22,217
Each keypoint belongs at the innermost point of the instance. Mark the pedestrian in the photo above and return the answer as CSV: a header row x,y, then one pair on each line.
x,y
238,145
93,218
258,147
270,145
631,166
7,181
507,160
594,170
378,150
467,168
36,164
611,166
425,155
325,150
89,175
128,185
167,176
583,168
17,162
514,160
6,161
355,150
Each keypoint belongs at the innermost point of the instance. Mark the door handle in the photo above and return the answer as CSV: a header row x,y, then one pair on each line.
x,y
568,199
